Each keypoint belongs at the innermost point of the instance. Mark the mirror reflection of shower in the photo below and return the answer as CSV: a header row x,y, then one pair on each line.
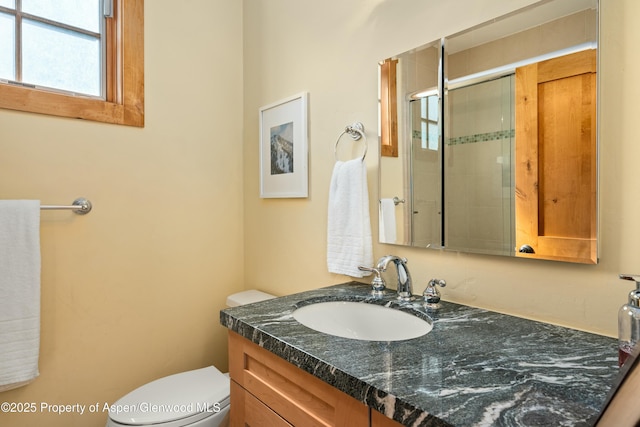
x,y
425,177
475,213
479,172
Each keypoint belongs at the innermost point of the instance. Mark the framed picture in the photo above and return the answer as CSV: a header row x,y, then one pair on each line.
x,y
284,148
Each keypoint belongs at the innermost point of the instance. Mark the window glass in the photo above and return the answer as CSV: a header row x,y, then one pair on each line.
x,y
61,59
83,14
429,120
122,87
7,47
433,113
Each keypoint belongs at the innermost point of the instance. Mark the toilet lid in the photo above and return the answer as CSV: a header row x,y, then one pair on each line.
x,y
200,392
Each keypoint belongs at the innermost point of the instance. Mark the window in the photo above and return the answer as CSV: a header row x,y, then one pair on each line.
x,y
108,87
53,45
429,122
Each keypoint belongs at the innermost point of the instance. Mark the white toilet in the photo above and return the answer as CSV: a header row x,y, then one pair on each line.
x,y
198,398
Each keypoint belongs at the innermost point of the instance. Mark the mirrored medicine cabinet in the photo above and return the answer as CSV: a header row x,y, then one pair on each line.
x,y
489,137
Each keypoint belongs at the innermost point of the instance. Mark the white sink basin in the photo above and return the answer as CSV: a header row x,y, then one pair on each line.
x,y
361,321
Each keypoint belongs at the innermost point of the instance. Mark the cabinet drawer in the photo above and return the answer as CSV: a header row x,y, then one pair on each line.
x,y
297,396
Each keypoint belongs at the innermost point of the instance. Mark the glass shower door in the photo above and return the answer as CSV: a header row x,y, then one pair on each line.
x,y
478,156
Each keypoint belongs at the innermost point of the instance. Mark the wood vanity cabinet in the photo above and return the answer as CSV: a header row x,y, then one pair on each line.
x,y
268,391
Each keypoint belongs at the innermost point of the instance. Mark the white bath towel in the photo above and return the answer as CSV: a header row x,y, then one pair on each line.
x,y
19,292
387,220
349,242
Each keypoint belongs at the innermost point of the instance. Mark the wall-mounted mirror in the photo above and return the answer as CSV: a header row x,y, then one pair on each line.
x,y
411,158
489,137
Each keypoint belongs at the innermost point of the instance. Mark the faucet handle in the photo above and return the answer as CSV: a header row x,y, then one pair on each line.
x,y
378,284
431,294
633,278
438,282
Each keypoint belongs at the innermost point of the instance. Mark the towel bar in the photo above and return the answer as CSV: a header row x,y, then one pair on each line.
x,y
81,206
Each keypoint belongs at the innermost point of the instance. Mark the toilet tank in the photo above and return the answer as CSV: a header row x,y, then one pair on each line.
x,y
247,297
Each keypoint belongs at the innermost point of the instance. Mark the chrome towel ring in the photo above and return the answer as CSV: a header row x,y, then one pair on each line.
x,y
356,132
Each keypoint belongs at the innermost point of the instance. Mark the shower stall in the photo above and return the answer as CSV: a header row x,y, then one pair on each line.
x,y
479,143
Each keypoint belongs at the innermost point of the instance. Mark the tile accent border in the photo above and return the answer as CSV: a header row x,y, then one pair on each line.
x,y
472,139
482,137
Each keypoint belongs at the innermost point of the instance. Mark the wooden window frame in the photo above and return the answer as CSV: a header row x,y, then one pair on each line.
x,y
124,102
388,108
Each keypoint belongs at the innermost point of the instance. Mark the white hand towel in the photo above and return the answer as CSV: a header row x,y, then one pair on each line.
x,y
387,220
19,292
349,242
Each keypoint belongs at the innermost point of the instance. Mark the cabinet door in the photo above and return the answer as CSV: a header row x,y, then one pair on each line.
x,y
297,396
556,158
379,420
249,411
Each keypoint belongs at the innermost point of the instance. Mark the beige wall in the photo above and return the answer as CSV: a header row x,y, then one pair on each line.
x,y
331,49
132,291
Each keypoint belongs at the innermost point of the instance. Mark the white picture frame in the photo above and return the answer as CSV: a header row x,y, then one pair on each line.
x,y
284,148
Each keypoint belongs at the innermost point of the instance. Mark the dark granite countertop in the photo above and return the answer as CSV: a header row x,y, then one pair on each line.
x,y
475,368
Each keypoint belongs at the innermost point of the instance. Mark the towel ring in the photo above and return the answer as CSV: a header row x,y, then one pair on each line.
x,y
355,131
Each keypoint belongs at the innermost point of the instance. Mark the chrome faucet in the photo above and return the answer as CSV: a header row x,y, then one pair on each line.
x,y
405,286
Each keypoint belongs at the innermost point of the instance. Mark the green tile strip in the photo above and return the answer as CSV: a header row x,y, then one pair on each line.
x,y
481,137
472,139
